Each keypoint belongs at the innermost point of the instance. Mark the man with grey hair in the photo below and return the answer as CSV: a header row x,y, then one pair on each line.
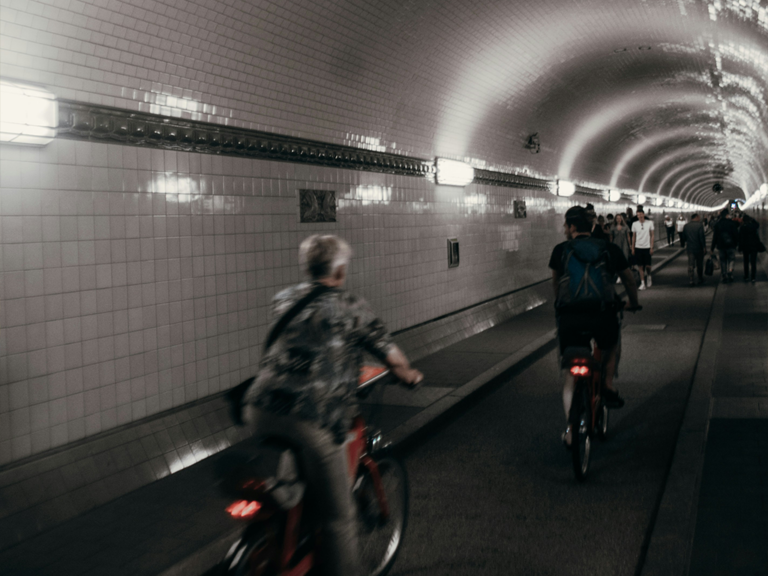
x,y
305,388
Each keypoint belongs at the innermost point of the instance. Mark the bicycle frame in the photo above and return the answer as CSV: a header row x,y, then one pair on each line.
x,y
361,442
596,382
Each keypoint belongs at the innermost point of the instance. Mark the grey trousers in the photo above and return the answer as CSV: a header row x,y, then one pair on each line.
x,y
324,464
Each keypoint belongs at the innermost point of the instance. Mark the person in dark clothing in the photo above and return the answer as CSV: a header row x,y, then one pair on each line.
x,y
696,247
573,321
725,239
749,245
597,229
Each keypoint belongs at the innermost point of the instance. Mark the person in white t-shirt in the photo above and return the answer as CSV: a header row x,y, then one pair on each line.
x,y
680,227
642,247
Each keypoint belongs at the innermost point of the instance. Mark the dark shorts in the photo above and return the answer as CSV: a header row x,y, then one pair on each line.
x,y
643,256
579,329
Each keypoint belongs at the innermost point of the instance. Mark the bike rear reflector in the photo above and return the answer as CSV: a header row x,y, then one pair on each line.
x,y
243,508
579,370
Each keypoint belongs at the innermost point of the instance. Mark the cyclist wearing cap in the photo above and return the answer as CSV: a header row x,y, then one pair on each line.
x,y
584,271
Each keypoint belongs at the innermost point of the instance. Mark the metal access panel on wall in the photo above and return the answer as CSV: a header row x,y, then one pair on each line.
x,y
453,252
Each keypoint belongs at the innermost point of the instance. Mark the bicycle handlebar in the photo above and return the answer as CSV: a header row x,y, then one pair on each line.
x,y
369,375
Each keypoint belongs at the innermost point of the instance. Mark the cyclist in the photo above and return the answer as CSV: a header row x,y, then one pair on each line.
x,y
584,271
305,388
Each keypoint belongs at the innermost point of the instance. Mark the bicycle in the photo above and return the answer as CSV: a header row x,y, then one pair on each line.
x,y
280,538
589,415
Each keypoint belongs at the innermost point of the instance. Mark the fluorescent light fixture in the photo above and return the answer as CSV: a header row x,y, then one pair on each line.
x,y
614,195
565,188
641,199
658,201
27,114
453,172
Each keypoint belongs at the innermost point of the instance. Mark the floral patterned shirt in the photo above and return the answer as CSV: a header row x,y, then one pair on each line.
x,y
312,369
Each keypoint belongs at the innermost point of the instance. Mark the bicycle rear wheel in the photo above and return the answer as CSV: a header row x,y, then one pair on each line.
x,y
602,420
252,555
380,537
581,421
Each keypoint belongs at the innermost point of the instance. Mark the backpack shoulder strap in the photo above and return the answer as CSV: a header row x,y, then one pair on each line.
x,y
292,312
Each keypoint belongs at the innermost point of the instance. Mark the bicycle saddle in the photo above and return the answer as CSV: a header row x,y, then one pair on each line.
x,y
270,474
577,355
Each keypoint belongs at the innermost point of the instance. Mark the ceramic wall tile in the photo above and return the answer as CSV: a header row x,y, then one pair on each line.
x,y
156,298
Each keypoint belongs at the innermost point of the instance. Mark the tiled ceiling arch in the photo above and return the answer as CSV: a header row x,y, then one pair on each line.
x,y
611,87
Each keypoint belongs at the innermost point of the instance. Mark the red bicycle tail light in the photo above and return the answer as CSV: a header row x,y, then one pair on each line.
x,y
579,370
244,508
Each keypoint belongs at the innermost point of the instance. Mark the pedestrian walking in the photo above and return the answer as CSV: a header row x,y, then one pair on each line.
x,y
749,246
725,239
696,247
642,247
621,237
669,225
680,224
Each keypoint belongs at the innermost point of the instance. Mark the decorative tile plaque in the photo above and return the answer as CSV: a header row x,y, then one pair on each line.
x,y
519,207
317,205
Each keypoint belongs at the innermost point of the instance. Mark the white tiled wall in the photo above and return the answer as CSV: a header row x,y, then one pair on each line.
x,y
135,280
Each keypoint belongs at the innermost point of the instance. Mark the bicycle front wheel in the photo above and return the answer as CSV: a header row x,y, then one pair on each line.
x,y
381,535
581,421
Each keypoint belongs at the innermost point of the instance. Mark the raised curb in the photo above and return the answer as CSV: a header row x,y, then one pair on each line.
x,y
423,418
671,536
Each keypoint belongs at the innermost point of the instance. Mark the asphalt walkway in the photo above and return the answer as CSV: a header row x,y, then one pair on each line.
x,y
178,525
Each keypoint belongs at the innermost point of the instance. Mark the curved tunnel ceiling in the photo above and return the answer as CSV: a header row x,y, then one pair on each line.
x,y
620,92
614,88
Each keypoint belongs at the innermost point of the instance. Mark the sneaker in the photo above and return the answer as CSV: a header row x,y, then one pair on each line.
x,y
618,280
612,399
753,280
642,286
648,280
691,283
746,279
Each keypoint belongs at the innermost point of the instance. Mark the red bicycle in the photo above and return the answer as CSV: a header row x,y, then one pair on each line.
x,y
588,417
281,538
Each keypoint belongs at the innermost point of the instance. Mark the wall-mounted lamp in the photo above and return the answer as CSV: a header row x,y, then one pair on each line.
x,y
565,188
453,173
658,201
28,114
614,195
642,198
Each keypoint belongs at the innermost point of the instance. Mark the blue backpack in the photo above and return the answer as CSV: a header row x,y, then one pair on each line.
x,y
586,284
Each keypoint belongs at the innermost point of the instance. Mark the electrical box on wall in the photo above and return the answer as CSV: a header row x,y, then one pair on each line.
x,y
453,252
